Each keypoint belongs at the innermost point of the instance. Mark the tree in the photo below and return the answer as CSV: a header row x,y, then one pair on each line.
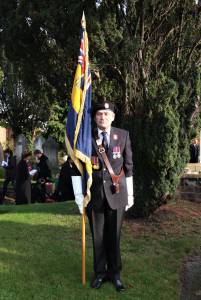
x,y
156,65
22,108
56,125
1,76
46,35
164,96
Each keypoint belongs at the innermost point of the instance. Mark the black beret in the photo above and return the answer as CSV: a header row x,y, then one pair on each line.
x,y
103,105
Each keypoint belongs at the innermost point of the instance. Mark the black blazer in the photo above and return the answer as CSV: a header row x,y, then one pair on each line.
x,y
102,183
43,168
194,153
23,183
10,170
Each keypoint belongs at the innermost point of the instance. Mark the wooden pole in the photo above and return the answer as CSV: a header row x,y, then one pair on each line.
x,y
83,249
83,24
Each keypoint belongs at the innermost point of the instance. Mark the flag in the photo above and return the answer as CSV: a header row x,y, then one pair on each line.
x,y
78,127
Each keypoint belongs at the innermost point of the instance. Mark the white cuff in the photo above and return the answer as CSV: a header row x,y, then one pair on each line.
x,y
130,203
129,184
77,188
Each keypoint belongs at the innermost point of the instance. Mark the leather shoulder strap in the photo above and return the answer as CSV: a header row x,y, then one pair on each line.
x,y
115,178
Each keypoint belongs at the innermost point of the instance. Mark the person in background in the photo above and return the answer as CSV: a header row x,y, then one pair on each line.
x,y
194,151
9,165
43,173
64,189
23,180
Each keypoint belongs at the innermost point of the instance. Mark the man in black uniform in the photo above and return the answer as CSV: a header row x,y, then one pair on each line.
x,y
111,194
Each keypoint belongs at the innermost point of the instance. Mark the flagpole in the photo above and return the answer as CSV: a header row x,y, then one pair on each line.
x,y
83,248
83,24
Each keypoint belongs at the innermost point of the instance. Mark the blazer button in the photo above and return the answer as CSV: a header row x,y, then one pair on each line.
x,y
104,169
104,181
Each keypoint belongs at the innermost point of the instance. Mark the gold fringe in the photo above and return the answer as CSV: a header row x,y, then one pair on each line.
x,y
72,155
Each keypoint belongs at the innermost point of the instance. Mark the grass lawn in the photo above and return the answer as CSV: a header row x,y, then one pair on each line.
x,y
40,253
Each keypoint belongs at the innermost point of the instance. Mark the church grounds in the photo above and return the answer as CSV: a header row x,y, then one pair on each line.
x,y
40,253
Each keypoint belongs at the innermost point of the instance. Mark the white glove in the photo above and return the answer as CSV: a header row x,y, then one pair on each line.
x,y
77,188
129,183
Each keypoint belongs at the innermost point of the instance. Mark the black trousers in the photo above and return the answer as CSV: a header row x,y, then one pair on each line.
x,y
5,186
105,226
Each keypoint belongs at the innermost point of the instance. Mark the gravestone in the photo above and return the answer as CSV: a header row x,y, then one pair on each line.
x,y
38,143
1,153
50,149
191,279
20,146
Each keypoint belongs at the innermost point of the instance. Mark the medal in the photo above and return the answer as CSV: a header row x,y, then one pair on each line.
x,y
95,162
116,152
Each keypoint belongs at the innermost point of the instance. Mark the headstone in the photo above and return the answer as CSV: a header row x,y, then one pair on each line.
x,y
191,279
20,146
38,143
50,149
1,153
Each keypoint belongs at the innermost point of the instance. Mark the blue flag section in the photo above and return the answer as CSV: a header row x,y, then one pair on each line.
x,y
78,127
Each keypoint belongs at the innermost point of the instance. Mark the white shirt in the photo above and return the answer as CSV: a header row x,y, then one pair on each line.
x,y
101,136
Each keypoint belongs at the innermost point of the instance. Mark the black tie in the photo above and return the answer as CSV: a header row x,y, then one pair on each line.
x,y
105,142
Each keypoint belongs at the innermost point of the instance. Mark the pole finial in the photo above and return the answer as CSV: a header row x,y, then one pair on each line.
x,y
83,21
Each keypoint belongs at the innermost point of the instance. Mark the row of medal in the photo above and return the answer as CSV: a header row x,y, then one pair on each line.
x,y
116,153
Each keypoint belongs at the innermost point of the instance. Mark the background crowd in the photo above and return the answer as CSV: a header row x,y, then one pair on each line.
x,y
32,181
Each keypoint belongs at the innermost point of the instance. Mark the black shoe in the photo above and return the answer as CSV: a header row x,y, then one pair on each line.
x,y
97,282
118,285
